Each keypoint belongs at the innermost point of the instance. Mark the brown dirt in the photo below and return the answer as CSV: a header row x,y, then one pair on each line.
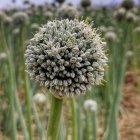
x,y
130,119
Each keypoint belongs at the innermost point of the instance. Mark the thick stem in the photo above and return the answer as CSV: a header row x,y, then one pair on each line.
x,y
26,86
12,107
74,116
54,118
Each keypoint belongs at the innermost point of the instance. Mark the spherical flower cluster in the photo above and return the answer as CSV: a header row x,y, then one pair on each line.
x,y
39,98
90,105
102,29
137,30
2,16
130,17
120,14
3,56
48,15
26,2
128,4
16,32
67,11
60,1
85,3
34,26
129,54
13,1
50,8
20,19
66,56
7,20
110,36
135,10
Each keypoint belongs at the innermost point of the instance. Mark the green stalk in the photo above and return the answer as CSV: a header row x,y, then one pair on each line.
x,y
38,123
89,125
11,100
21,117
54,118
22,121
118,67
94,126
11,88
17,103
12,77
26,87
74,117
62,135
79,124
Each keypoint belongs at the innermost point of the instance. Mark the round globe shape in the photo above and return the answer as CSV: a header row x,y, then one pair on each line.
x,y
66,57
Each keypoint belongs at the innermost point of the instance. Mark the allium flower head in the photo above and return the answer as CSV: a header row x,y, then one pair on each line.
x,y
3,56
16,32
128,4
2,15
102,29
67,57
39,98
137,30
110,36
85,3
14,1
60,1
129,54
26,2
90,105
20,19
34,26
7,21
48,15
135,10
130,17
120,14
49,8
67,11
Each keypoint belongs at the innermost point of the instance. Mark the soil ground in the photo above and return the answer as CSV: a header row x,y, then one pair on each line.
x,y
130,118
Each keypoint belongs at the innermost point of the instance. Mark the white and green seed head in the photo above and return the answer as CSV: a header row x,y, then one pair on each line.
x,y
39,99
67,57
90,105
67,11
20,19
